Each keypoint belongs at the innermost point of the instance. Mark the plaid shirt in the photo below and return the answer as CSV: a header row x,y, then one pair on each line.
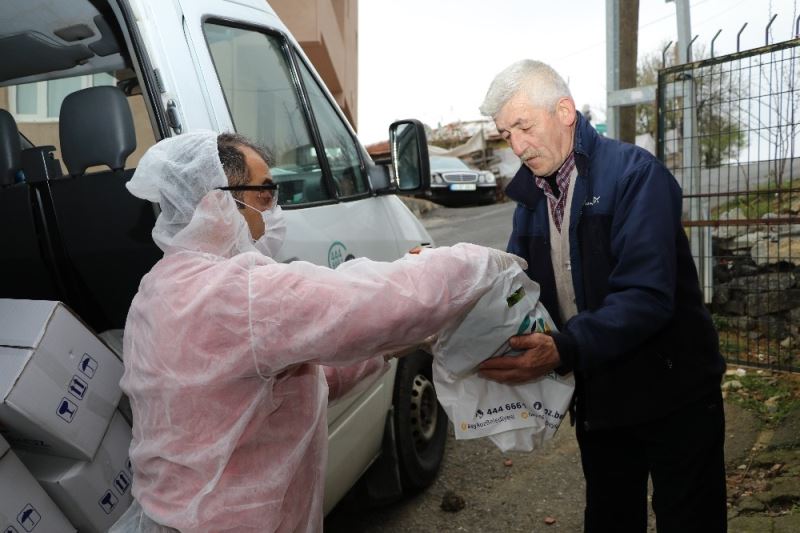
x,y
557,205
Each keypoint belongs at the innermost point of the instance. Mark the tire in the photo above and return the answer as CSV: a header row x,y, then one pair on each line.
x,y
420,423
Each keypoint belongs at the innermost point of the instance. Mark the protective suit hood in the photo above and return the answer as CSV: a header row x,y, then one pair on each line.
x,y
180,174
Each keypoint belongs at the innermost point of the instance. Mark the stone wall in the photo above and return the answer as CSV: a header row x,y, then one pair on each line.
x,y
757,278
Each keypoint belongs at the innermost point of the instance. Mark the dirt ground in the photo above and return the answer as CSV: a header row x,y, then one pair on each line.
x,y
500,492
543,491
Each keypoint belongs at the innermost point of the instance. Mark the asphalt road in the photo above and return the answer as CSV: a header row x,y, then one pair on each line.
x,y
498,495
488,225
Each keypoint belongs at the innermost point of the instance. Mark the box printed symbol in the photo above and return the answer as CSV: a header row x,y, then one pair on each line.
x,y
66,410
87,365
10,529
28,517
122,482
78,387
108,502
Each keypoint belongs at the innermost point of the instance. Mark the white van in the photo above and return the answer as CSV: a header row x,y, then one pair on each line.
x,y
92,83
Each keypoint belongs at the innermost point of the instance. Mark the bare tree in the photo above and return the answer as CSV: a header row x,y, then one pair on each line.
x,y
781,79
769,104
717,92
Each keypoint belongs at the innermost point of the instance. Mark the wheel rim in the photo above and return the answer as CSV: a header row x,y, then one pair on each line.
x,y
424,411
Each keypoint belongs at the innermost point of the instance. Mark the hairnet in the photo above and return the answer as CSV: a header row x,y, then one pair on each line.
x,y
181,174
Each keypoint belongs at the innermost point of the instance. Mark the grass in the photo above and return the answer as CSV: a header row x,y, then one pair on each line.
x,y
771,395
756,204
752,348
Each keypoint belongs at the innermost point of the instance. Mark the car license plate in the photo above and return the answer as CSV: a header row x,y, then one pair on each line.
x,y
462,186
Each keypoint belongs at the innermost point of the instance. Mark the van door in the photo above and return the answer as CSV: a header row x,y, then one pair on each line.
x,y
251,77
254,79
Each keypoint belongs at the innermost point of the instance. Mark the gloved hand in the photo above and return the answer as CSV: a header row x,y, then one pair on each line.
x,y
426,346
504,260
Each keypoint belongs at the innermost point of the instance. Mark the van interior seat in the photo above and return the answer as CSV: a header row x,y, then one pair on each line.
x,y
24,272
105,231
96,128
10,149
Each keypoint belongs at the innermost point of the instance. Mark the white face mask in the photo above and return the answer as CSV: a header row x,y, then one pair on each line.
x,y
274,230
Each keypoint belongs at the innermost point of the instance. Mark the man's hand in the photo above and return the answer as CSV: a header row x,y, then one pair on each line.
x,y
539,358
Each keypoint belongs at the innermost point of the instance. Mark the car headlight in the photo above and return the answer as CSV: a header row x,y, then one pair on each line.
x,y
487,177
436,179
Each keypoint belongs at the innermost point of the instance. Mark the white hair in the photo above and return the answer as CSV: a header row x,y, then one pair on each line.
x,y
543,86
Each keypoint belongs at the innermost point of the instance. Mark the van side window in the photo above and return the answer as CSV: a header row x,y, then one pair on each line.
x,y
253,70
339,146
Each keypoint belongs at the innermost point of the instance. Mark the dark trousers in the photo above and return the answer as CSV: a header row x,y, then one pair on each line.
x,y
682,453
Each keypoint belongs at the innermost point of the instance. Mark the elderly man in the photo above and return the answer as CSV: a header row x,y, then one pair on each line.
x,y
599,222
223,346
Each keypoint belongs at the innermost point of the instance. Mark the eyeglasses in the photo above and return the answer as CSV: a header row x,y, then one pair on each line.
x,y
260,188
269,188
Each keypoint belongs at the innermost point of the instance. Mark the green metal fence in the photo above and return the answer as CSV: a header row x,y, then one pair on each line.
x,y
728,129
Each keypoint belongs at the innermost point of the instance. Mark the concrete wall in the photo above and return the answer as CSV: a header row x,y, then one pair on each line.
x,y
327,30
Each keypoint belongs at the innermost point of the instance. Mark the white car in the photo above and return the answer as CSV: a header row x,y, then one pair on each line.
x,y
453,182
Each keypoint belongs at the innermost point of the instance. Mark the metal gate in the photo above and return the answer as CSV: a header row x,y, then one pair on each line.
x,y
728,130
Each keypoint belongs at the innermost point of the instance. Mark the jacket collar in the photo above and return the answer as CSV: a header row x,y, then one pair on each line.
x,y
522,188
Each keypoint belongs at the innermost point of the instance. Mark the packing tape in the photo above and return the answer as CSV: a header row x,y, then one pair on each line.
x,y
104,459
113,469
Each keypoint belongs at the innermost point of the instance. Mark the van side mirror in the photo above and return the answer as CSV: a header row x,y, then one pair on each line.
x,y
409,148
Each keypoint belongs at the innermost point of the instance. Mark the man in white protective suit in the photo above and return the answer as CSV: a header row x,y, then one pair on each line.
x,y
224,347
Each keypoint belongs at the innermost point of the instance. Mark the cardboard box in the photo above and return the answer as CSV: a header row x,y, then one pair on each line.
x,y
59,384
24,505
93,495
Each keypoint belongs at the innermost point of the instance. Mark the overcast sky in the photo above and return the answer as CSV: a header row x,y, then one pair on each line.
x,y
434,59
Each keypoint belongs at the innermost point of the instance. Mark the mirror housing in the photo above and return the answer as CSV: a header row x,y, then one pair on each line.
x,y
379,179
409,147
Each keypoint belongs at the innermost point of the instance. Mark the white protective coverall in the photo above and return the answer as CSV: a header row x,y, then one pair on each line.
x,y
223,348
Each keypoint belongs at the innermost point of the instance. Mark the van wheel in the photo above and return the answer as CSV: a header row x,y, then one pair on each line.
x,y
420,422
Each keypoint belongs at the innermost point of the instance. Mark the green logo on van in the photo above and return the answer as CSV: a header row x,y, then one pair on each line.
x,y
337,254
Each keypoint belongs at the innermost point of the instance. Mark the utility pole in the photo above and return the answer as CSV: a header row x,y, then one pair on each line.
x,y
622,32
612,66
628,52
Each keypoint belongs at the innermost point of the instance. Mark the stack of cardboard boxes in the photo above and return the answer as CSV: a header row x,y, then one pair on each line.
x,y
64,457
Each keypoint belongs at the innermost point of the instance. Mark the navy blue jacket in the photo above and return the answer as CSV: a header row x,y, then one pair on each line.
x,y
642,343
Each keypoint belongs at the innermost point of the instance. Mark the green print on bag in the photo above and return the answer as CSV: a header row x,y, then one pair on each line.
x,y
515,297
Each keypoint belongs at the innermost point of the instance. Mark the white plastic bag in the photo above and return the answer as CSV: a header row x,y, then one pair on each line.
x,y
515,417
